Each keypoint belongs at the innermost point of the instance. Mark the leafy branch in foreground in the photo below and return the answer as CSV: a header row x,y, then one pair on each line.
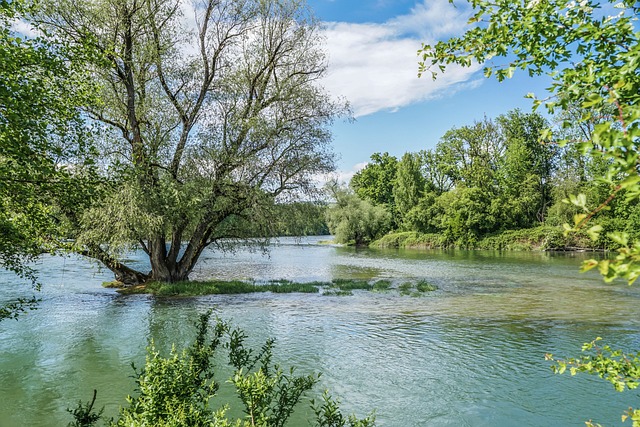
x,y
178,390
621,369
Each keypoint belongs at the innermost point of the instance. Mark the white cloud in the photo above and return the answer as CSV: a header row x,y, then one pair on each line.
x,y
375,66
340,176
25,29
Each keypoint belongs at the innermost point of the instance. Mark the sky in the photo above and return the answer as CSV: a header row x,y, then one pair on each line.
x,y
373,63
372,51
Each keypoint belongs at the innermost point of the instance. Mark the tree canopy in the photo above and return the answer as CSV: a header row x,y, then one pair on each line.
x,y
211,114
45,147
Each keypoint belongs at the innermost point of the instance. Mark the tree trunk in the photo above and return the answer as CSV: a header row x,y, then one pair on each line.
x,y
122,273
129,276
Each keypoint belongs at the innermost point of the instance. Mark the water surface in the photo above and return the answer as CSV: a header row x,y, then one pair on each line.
x,y
469,354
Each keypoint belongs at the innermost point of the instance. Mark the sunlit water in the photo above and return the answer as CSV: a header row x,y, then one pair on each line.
x,y
469,354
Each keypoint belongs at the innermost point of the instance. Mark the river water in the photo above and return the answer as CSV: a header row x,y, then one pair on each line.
x,y
469,354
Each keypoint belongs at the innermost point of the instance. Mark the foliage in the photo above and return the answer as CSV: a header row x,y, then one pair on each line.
x,y
537,238
206,129
408,186
178,390
83,414
215,287
44,144
375,182
328,414
424,286
301,219
411,239
590,49
355,221
621,369
480,179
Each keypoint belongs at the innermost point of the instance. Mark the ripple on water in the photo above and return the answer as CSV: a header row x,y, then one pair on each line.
x,y
471,353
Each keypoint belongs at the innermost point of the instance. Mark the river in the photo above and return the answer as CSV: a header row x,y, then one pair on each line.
x,y
469,354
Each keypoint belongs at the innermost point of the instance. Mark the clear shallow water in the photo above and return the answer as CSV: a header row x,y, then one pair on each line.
x,y
469,354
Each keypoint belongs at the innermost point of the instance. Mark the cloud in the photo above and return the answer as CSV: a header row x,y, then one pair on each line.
x,y
375,66
340,176
25,29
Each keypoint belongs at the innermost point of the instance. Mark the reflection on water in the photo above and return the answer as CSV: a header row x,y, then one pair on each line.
x,y
471,353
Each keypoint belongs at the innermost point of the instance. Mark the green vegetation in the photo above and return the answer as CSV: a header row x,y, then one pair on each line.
x,y
490,185
179,390
424,286
356,221
197,150
541,238
301,219
336,287
213,287
46,160
416,289
381,285
590,49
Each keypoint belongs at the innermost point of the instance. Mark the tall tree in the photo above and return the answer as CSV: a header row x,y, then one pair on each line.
x,y
409,184
470,154
213,111
355,221
375,182
527,166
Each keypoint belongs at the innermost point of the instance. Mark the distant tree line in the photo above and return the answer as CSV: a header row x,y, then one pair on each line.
x,y
480,180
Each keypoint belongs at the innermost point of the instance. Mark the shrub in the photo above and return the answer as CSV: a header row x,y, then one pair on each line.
x,y
176,391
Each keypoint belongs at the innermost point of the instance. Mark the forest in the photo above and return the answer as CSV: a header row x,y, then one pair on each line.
x,y
493,184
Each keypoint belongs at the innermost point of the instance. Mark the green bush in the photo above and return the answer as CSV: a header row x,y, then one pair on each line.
x,y
177,390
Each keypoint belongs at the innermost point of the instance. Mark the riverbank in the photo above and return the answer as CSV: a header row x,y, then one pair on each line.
x,y
542,238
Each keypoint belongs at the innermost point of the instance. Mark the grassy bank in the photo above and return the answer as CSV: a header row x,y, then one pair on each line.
x,y
337,287
542,238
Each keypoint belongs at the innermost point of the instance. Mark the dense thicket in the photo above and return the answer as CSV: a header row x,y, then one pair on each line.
x,y
481,180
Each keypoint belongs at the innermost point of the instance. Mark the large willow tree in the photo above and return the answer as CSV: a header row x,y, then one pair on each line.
x,y
211,113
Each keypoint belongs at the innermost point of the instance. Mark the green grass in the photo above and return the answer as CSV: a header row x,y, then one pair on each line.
x,y
405,288
332,292
424,286
382,285
114,284
215,287
351,284
337,287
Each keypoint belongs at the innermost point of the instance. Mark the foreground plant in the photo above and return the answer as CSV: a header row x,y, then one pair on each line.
x,y
178,390
621,369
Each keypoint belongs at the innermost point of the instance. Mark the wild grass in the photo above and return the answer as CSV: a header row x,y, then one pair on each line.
x,y
424,286
351,284
337,287
382,285
217,287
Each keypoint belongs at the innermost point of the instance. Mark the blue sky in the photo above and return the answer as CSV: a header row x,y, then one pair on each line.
x,y
372,47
